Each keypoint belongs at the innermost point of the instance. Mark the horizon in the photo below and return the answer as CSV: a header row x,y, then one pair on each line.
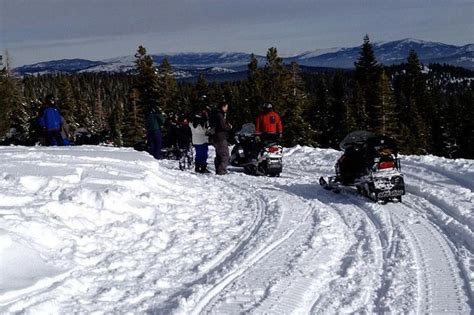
x,y
41,30
171,53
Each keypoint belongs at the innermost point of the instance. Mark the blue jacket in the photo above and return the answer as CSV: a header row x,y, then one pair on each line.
x,y
51,118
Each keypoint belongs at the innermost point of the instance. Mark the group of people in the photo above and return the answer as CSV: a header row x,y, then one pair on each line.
x,y
199,130
205,127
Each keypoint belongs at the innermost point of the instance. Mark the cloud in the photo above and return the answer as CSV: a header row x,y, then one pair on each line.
x,y
36,30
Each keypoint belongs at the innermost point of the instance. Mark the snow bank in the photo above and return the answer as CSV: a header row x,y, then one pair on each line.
x,y
99,229
129,231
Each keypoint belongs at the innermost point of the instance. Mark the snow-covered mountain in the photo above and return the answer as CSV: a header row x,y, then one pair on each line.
x,y
394,52
104,230
63,65
207,62
210,63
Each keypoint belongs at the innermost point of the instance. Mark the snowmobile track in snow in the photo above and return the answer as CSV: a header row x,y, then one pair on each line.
x,y
253,258
252,286
440,280
373,239
212,270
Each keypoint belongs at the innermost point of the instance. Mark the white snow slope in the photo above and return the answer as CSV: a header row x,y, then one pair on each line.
x,y
105,230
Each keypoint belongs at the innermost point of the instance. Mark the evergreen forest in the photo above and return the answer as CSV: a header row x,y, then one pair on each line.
x,y
429,109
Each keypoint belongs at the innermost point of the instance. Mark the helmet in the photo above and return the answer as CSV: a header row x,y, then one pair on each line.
x,y
267,106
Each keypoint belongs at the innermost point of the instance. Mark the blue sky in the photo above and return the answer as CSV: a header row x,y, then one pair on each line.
x,y
41,30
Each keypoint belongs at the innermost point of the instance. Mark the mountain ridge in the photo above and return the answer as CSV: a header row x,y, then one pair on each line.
x,y
387,53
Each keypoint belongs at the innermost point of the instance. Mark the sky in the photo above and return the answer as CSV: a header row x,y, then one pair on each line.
x,y
41,30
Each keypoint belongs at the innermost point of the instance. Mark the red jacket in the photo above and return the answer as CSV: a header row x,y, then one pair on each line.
x,y
269,122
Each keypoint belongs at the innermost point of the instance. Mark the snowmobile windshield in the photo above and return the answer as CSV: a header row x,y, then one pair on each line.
x,y
355,138
248,129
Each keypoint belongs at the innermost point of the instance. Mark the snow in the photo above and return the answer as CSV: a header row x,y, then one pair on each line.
x,y
318,52
222,70
106,230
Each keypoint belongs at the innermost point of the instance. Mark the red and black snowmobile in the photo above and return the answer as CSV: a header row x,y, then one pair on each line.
x,y
370,163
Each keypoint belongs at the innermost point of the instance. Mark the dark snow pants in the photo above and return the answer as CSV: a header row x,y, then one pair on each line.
x,y
53,137
222,156
201,154
154,143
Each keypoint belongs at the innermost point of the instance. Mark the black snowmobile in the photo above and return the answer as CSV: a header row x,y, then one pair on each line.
x,y
258,155
370,163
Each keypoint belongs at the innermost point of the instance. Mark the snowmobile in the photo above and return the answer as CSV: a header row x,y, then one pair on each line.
x,y
370,163
257,155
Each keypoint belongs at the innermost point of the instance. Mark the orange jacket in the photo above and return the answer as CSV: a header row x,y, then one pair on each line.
x,y
269,122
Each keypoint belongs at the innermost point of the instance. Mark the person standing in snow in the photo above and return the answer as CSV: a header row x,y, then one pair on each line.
x,y
153,122
49,120
221,129
181,134
199,127
268,125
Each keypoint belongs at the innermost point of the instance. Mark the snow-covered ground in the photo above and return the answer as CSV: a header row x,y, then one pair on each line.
x,y
105,230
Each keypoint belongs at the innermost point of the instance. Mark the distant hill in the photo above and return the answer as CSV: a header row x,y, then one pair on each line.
x,y
188,65
394,52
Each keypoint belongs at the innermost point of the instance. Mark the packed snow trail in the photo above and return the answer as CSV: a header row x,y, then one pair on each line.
x,y
439,281
113,231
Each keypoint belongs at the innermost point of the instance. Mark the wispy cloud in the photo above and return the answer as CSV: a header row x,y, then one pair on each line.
x,y
36,30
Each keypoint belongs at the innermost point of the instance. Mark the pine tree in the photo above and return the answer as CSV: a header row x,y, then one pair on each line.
x,y
388,120
297,129
68,106
100,119
459,123
356,114
340,119
413,98
367,74
320,115
146,86
133,130
116,125
276,79
83,117
13,108
143,97
167,86
466,136
201,96
439,121
255,98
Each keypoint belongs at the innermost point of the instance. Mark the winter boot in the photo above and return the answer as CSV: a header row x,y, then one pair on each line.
x,y
204,169
197,168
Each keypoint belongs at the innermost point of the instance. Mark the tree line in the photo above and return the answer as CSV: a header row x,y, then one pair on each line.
x,y
428,109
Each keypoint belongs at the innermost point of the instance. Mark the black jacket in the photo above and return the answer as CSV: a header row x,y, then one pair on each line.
x,y
222,127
